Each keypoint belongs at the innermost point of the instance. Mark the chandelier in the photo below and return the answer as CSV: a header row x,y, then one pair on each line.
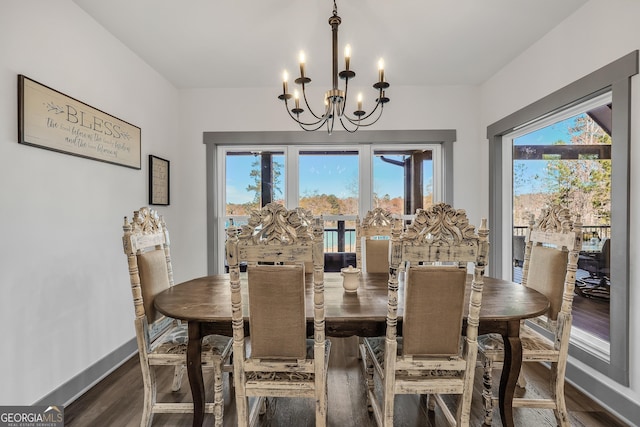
x,y
335,99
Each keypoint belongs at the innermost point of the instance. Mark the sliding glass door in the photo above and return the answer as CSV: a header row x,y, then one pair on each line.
x,y
338,183
566,158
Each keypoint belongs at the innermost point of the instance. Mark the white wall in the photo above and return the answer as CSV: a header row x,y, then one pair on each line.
x,y
65,300
597,34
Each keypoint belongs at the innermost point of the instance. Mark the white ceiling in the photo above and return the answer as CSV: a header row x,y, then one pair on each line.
x,y
248,43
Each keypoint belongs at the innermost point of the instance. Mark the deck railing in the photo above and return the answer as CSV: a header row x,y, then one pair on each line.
x,y
588,231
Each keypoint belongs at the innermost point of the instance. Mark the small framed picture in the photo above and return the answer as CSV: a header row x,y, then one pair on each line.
x,y
158,181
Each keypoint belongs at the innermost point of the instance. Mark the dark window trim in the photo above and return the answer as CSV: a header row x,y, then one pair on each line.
x,y
614,77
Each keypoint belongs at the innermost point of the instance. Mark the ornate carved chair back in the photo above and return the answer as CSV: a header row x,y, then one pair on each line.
x,y
431,357
375,231
553,244
276,244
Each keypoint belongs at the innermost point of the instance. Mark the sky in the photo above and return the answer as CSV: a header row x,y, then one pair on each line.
x,y
548,135
336,174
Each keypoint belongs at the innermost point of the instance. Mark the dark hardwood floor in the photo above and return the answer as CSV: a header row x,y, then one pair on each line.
x,y
117,401
592,315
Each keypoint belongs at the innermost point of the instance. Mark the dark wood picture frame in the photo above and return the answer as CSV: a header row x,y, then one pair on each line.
x,y
159,180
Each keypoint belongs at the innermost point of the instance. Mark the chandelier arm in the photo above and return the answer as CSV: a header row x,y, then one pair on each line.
x,y
346,96
304,96
308,127
359,122
344,126
330,126
320,120
314,129
331,118
365,117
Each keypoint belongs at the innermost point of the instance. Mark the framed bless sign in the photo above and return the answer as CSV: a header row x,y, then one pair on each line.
x,y
52,120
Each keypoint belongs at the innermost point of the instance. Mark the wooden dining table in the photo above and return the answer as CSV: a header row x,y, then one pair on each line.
x,y
205,304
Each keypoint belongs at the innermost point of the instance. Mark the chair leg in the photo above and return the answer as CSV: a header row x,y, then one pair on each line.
x,y
242,402
218,403
557,387
321,402
177,377
431,402
368,374
522,380
487,392
149,384
388,396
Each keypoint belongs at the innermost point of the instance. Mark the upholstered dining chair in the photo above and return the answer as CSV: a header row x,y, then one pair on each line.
x,y
279,361
431,356
162,341
375,231
553,244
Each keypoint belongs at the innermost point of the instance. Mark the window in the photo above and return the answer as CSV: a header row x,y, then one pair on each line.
x,y
616,79
283,172
253,179
409,170
566,158
330,181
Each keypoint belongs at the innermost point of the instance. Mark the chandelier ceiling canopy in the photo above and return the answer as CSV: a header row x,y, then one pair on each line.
x,y
335,99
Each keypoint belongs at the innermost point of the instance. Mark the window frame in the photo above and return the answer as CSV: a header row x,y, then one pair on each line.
x,y
507,164
279,139
580,338
616,78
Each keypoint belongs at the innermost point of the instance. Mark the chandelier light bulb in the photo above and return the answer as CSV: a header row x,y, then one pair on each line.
x,y
296,98
302,60
347,56
381,70
285,82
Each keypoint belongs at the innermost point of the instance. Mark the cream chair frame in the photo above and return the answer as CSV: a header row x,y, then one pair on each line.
x,y
440,234
553,231
275,235
162,341
376,222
